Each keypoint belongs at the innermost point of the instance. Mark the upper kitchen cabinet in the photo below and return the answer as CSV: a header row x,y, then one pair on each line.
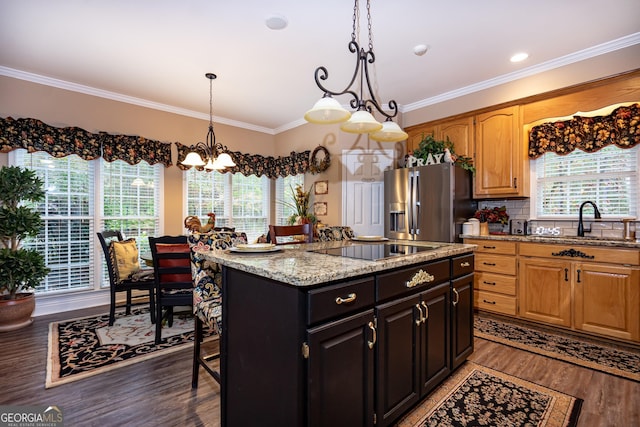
x,y
459,131
502,169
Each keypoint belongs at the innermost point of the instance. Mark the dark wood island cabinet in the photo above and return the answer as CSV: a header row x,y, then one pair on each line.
x,y
346,343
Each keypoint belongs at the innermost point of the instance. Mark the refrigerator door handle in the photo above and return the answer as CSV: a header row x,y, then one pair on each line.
x,y
410,203
416,204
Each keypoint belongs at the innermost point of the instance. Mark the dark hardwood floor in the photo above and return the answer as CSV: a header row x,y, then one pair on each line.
x,y
157,392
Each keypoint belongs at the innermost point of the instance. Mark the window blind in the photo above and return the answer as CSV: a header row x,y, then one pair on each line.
x,y
608,177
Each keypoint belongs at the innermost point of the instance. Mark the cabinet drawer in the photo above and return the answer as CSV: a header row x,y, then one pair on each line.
x,y
499,303
410,279
493,246
581,253
339,300
495,283
502,264
461,265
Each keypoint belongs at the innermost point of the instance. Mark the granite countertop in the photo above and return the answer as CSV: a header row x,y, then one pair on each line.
x,y
295,265
561,240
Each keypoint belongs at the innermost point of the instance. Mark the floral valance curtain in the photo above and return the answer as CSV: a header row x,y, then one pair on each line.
x,y
589,134
34,135
272,167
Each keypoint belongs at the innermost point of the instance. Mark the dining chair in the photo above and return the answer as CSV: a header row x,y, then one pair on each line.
x,y
229,229
207,294
124,271
172,275
291,231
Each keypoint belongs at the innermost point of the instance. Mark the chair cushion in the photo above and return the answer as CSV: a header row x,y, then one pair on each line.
x,y
336,232
124,258
169,248
207,275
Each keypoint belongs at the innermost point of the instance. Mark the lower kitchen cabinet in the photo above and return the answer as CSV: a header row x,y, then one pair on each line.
x,y
461,320
340,372
545,291
413,352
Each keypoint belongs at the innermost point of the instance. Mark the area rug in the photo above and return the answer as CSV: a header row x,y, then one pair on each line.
x,y
83,347
604,356
479,396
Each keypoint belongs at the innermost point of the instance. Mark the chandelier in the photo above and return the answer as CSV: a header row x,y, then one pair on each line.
x,y
210,155
328,110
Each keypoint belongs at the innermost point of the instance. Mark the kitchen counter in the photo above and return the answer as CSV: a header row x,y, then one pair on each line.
x,y
296,265
562,240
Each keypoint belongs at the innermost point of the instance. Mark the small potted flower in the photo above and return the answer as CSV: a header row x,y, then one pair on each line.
x,y
497,219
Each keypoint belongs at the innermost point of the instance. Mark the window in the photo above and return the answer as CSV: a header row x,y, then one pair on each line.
x,y
76,206
284,197
608,177
238,201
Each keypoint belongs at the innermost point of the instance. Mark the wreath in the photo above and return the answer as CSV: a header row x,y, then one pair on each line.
x,y
316,166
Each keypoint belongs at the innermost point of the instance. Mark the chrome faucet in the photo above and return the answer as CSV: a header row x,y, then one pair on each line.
x,y
596,214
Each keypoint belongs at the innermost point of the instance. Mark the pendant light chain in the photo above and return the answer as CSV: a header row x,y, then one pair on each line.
x,y
369,26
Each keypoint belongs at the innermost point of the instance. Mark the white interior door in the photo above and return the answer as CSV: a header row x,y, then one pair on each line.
x,y
363,191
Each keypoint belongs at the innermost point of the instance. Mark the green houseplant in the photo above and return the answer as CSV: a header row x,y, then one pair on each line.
x,y
429,145
21,269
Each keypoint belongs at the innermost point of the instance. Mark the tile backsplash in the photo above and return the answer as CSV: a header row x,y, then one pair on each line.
x,y
520,209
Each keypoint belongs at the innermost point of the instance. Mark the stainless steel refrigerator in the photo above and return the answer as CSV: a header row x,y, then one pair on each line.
x,y
427,202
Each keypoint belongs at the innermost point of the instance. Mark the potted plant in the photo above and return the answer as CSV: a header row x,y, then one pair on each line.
x,y
430,146
301,206
20,269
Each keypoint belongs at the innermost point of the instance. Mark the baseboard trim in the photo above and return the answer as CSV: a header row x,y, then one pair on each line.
x,y
51,304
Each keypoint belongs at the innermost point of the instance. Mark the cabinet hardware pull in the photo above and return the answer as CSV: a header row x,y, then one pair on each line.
x,y
464,264
375,338
515,183
419,320
489,247
489,263
455,292
566,274
489,283
426,311
578,276
350,298
489,302
419,278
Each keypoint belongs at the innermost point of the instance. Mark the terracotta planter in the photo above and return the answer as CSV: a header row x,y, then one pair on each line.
x,y
16,314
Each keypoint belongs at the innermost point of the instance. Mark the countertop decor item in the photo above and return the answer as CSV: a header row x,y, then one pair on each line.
x,y
493,215
21,269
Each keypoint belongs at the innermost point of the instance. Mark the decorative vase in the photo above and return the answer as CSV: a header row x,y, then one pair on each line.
x,y
484,228
16,313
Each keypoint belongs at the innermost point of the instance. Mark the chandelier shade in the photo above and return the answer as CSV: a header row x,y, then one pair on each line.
x,y
328,110
390,132
215,154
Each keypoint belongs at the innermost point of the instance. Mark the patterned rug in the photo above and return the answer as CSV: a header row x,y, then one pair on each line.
x,y
479,396
83,347
604,356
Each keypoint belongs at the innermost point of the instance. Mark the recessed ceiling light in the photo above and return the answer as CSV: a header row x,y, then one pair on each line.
x,y
518,57
276,22
420,49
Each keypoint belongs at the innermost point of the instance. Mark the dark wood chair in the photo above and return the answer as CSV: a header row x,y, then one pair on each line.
x,y
126,285
229,229
292,231
172,274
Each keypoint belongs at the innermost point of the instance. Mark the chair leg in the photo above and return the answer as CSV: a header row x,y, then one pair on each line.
x,y
152,306
158,320
112,309
170,316
128,309
196,351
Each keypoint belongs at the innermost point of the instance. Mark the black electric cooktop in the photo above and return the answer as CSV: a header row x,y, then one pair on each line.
x,y
377,251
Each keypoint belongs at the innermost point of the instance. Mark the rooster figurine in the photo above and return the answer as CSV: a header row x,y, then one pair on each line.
x,y
193,224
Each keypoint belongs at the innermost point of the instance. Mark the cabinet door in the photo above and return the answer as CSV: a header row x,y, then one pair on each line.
x,y
498,154
398,386
606,300
340,372
417,133
435,356
545,290
461,320
460,132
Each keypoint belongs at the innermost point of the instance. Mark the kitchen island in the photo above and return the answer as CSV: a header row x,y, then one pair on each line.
x,y
314,335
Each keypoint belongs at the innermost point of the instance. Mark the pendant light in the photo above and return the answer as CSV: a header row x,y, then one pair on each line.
x,y
216,156
328,110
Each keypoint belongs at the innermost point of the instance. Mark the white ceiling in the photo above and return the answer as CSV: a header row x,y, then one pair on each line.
x,y
156,52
